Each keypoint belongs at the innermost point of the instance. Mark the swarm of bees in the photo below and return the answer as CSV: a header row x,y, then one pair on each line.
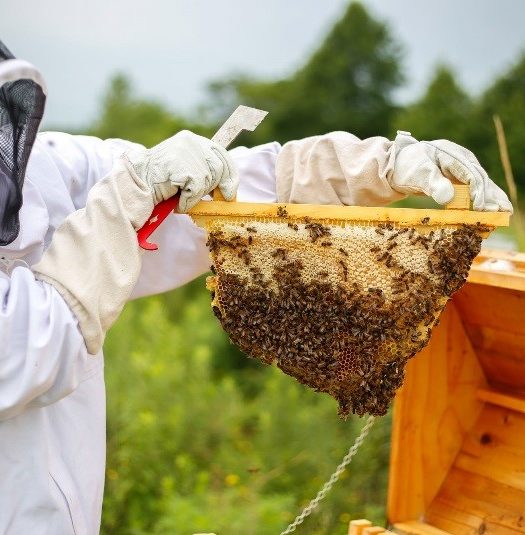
x,y
339,308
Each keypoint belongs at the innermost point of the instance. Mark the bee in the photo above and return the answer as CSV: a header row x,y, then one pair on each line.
x,y
394,235
389,261
279,253
345,270
282,211
425,220
251,229
342,251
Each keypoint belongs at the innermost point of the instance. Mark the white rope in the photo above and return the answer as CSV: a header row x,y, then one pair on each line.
x,y
347,459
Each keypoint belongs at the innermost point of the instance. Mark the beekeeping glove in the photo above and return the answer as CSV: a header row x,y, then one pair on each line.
x,y
339,168
428,166
188,162
94,259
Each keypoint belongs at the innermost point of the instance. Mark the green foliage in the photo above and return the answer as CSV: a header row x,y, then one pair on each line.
x,y
442,113
189,451
447,111
143,121
345,85
506,98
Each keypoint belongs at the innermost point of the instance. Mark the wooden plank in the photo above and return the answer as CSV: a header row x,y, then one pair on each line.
x,y
492,459
497,426
494,527
453,527
495,448
448,517
433,411
499,341
502,400
502,269
515,257
482,496
486,515
503,370
501,279
480,521
461,524
461,200
413,527
356,527
439,512
405,216
500,353
373,530
491,307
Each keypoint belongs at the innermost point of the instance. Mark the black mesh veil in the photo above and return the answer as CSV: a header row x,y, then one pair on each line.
x,y
22,101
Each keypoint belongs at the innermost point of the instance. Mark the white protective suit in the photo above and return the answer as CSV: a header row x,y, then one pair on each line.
x,y
52,398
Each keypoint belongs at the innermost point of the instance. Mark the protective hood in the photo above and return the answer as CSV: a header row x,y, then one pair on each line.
x,y
22,101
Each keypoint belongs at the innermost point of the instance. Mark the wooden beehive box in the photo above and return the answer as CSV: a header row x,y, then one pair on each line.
x,y
458,437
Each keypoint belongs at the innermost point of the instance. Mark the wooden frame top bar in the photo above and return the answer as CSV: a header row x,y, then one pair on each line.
x,y
205,210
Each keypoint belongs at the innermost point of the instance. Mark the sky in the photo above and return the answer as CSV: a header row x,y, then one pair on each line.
x,y
172,48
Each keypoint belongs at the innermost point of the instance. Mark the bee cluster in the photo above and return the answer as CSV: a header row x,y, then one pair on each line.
x,y
339,308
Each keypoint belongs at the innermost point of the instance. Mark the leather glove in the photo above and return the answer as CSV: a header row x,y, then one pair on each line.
x,y
188,162
427,167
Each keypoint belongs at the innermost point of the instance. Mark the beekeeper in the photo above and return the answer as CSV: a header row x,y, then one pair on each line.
x,y
70,261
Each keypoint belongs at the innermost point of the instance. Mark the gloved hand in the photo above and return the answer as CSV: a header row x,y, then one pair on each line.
x,y
94,260
427,167
340,168
188,162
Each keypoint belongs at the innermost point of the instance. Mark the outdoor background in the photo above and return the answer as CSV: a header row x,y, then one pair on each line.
x,y
199,437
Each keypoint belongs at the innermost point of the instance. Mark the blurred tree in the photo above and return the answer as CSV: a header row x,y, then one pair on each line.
x,y
442,112
505,97
347,84
123,115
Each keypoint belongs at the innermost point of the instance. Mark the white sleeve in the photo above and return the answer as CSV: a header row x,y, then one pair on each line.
x,y
182,254
43,356
82,160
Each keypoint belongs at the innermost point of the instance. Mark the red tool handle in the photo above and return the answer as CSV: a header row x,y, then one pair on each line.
x,y
159,214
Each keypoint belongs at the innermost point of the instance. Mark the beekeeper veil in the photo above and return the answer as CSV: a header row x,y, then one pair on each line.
x,y
22,100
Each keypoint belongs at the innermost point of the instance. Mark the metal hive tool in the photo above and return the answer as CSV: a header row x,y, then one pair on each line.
x,y
338,297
